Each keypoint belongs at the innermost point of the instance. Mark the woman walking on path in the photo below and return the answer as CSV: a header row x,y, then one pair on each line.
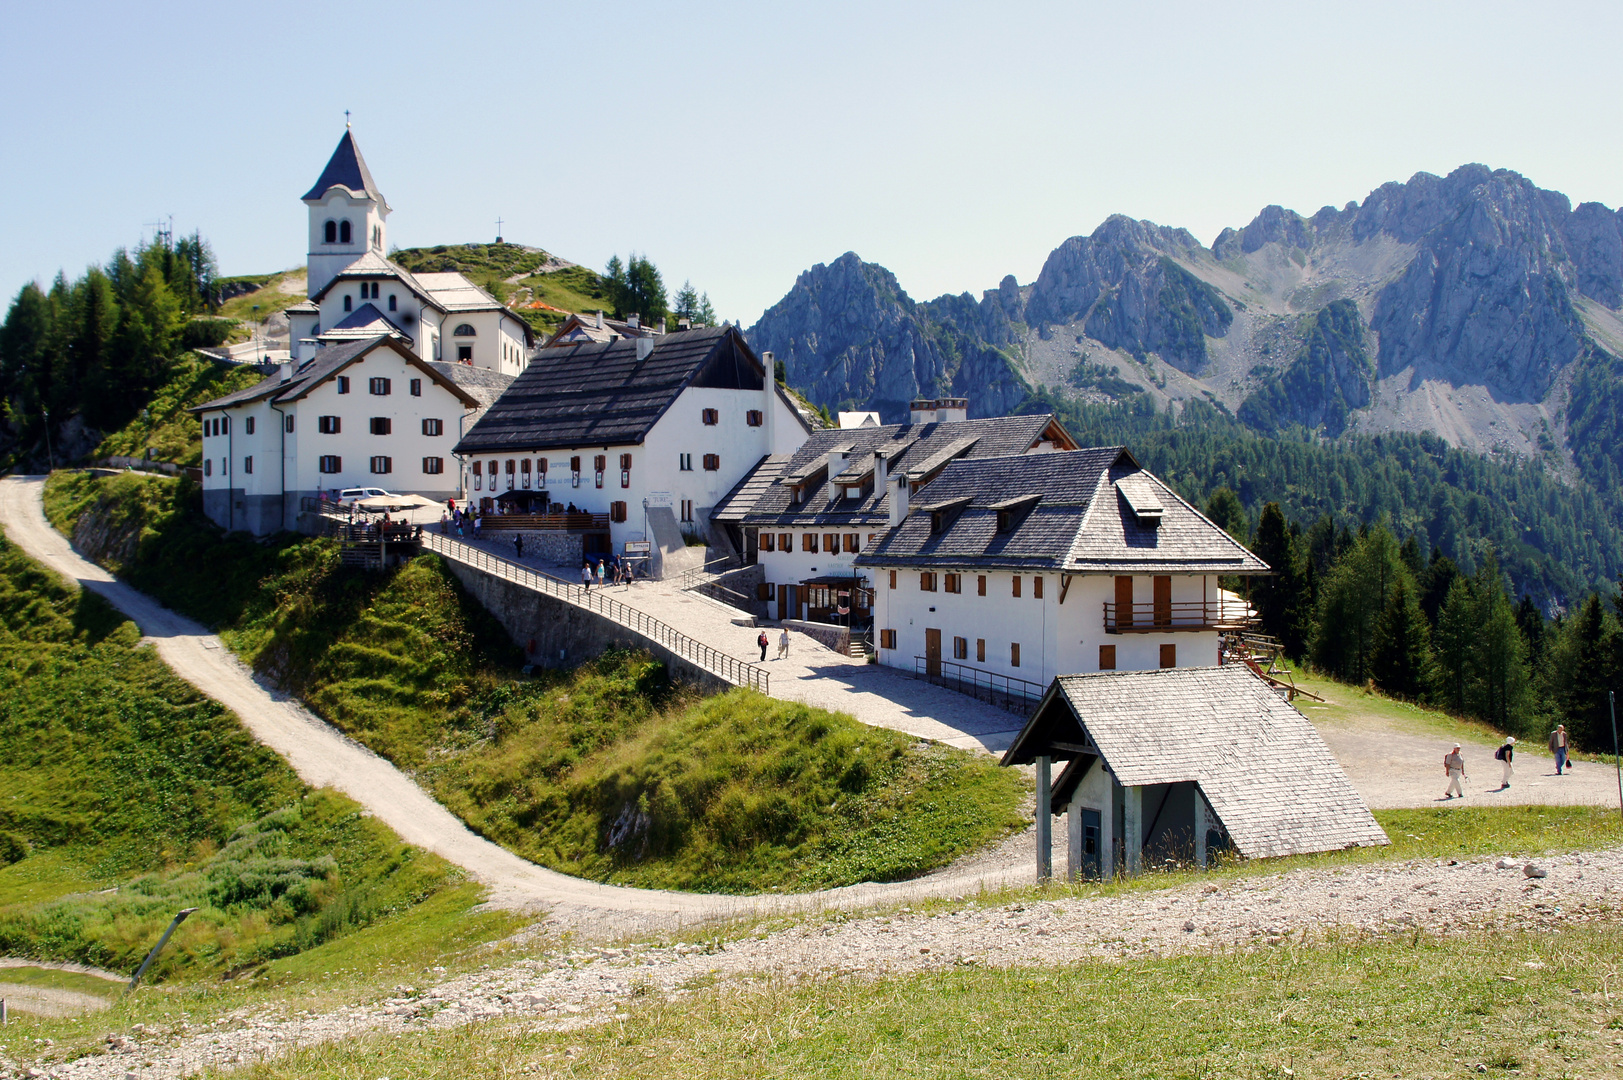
x,y
761,641
1454,769
586,575
602,573
783,644
1506,754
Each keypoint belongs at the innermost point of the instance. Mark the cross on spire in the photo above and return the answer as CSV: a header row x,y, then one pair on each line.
x,y
498,230
346,119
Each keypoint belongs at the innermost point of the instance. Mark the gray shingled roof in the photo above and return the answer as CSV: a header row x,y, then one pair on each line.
x,y
1262,766
365,321
482,383
327,362
1080,521
911,448
346,168
737,502
600,393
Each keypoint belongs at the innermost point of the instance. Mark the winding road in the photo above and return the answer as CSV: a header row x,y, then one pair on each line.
x,y
322,756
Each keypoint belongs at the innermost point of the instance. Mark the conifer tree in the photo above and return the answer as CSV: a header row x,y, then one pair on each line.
x,y
1402,641
1452,644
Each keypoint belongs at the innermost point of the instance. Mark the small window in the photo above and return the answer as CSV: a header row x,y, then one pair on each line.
x,y
684,462
328,425
381,465
541,467
617,511
711,417
433,427
1107,658
382,425
786,541
343,384
980,584
208,466
763,590
249,426
344,232
433,466
712,462
416,388
600,462
954,583
329,233
392,301
248,464
852,543
1014,654
464,330
625,478
887,639
687,510
380,387
960,648
769,541
524,472
348,303
289,423
574,464
808,542
893,579
330,463
753,418
625,462
225,425
927,581
1016,585
1037,588
831,542
1169,656
512,466
980,650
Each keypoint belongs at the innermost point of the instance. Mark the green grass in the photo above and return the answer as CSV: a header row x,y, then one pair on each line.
x,y
52,979
574,288
128,795
172,433
271,298
1341,1005
605,771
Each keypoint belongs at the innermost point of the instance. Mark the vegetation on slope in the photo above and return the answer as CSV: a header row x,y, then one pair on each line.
x,y
606,771
130,796
164,426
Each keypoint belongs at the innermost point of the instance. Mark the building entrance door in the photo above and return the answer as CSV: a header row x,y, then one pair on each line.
x,y
783,601
1163,600
932,652
1090,845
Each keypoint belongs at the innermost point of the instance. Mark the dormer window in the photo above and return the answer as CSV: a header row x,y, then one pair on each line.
x,y
938,521
1005,520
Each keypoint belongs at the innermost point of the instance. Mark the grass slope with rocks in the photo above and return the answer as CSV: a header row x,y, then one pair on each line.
x,y
606,771
129,796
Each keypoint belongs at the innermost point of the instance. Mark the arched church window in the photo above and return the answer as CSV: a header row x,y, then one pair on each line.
x,y
346,302
377,237
343,232
464,330
330,233
391,301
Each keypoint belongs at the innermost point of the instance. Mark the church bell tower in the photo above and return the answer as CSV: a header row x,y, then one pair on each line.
x,y
348,215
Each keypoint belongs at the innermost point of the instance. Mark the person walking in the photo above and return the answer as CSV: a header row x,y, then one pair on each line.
x,y
1558,747
586,575
445,522
761,641
1506,756
602,573
478,524
1454,769
518,545
783,644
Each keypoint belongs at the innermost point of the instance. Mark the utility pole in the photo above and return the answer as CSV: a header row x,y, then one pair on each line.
x,y
49,456
1611,702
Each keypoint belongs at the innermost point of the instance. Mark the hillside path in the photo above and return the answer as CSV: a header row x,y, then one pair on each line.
x,y
324,757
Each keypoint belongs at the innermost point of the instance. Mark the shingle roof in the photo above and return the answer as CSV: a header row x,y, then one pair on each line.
x,y
373,265
483,384
909,447
1079,522
737,502
600,393
583,327
365,321
327,362
346,169
1262,766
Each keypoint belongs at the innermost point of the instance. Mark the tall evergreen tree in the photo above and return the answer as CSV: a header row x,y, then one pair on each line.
x,y
1499,658
1351,600
1279,599
1402,640
1452,643
1228,513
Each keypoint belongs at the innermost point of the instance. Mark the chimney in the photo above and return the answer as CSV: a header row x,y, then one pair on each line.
x,y
769,395
661,329
938,410
306,350
898,500
633,320
645,345
881,472
684,324
284,372
836,465
600,320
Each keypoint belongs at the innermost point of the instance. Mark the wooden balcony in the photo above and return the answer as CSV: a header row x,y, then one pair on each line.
x,y
538,522
1167,618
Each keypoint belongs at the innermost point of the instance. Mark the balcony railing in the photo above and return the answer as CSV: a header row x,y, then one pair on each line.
x,y
727,668
540,522
1153,618
1018,696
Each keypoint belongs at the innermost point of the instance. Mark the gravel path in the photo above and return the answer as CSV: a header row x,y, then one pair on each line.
x,y
563,989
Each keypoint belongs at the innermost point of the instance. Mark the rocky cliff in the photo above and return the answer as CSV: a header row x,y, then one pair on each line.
x,y
1454,304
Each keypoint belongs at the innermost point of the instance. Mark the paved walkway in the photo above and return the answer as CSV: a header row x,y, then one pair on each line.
x,y
812,673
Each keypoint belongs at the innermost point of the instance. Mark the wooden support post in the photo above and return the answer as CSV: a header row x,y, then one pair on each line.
x,y
1133,829
1073,840
1200,829
1045,820
1107,831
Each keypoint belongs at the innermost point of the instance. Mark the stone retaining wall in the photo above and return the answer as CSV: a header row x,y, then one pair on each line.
x,y
837,638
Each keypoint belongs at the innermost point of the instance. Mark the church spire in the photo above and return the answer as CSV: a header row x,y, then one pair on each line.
x,y
347,169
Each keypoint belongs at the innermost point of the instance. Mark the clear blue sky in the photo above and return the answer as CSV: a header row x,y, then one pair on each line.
x,y
738,144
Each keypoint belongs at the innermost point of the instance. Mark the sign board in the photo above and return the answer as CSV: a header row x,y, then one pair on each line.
x,y
657,498
637,547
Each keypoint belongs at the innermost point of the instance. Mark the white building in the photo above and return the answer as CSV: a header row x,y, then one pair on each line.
x,y
650,431
806,518
356,293
360,414
1032,567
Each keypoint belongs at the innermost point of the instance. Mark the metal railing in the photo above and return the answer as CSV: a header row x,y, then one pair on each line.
x,y
729,669
1154,618
1018,696
545,522
701,574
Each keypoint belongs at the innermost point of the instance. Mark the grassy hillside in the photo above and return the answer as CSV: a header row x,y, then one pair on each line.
x,y
274,292
130,796
606,771
172,433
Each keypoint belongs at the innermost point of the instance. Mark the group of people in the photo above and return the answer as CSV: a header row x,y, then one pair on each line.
x,y
463,522
1454,762
783,644
620,573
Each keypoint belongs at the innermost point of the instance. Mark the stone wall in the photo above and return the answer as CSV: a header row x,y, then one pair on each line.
x,y
837,638
555,633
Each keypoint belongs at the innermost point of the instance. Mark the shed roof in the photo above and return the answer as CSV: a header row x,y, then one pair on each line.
x,y
1080,521
601,394
346,169
737,502
1262,766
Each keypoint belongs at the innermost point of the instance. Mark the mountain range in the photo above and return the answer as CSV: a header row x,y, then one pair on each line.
x,y
1475,306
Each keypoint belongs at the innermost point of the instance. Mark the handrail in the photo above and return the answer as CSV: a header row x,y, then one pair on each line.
x,y
690,577
1184,615
1005,691
729,669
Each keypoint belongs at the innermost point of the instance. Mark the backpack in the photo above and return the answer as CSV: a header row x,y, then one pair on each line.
x,y
1499,754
